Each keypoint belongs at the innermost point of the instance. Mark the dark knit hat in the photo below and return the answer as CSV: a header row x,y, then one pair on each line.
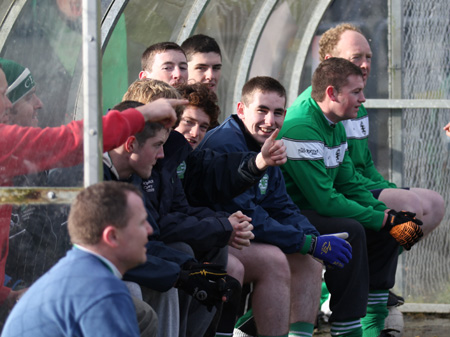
x,y
19,79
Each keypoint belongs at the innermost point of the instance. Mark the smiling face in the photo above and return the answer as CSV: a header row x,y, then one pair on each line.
x,y
206,68
5,103
193,125
170,67
264,114
144,156
347,101
133,237
25,111
354,47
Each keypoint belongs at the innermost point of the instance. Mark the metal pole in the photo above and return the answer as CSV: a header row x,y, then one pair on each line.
x,y
93,140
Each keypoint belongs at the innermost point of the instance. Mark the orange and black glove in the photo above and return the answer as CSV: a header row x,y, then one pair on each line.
x,y
404,228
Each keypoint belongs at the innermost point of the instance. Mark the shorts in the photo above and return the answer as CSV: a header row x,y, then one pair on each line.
x,y
376,193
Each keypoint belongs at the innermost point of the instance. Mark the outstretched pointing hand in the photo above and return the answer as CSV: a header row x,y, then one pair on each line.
x,y
273,152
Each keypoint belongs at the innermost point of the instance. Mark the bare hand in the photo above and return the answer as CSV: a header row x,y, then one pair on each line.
x,y
162,111
14,296
447,129
273,152
242,230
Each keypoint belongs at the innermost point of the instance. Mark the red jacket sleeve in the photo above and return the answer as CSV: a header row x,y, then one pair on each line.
x,y
26,150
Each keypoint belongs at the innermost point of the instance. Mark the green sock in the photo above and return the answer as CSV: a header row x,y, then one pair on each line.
x,y
325,294
302,329
244,319
346,329
377,311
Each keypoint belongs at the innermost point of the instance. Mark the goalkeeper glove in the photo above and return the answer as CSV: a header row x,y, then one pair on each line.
x,y
207,283
404,228
332,249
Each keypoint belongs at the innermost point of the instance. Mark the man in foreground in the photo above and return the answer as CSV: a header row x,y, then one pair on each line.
x,y
109,229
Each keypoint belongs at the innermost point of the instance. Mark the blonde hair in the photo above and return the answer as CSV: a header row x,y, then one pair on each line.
x,y
331,37
147,90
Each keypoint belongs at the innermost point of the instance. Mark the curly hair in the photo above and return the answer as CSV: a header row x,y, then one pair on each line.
x,y
201,97
331,37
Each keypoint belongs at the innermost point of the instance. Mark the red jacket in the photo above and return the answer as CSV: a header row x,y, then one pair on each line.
x,y
25,150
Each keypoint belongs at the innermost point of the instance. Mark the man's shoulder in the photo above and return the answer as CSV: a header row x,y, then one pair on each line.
x,y
226,137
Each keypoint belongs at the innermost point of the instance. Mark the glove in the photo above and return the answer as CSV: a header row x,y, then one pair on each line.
x,y
207,283
332,249
404,228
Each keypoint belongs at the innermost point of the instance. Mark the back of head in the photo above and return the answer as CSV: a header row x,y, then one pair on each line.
x,y
147,90
201,97
19,79
144,91
200,44
263,84
331,37
97,207
124,105
149,130
332,72
148,55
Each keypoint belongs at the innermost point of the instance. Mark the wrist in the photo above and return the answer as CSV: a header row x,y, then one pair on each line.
x,y
308,244
260,163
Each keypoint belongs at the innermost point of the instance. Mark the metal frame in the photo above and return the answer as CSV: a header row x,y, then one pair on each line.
x,y
317,12
188,19
9,19
92,136
110,19
246,47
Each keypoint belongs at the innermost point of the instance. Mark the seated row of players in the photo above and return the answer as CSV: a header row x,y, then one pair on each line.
x,y
281,234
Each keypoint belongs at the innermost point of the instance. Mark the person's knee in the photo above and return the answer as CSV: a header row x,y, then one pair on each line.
x,y
235,268
275,265
437,205
300,264
354,229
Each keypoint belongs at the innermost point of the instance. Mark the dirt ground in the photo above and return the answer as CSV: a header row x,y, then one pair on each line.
x,y
415,325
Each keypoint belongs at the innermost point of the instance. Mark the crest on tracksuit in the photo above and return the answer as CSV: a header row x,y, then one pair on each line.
x,y
263,184
181,169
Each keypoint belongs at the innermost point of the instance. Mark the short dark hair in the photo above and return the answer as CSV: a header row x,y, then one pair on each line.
x,y
332,72
263,84
148,55
149,130
201,97
127,105
97,207
200,44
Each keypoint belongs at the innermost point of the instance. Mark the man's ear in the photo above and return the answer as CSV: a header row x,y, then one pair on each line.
x,y
109,236
240,110
327,56
331,93
130,144
142,74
